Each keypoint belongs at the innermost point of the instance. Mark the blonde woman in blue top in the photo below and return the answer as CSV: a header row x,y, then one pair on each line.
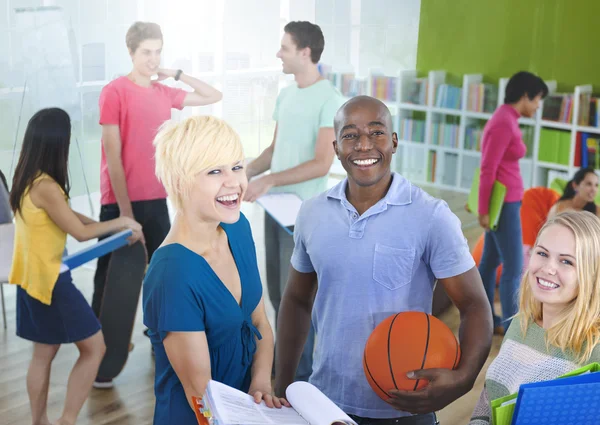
x,y
203,301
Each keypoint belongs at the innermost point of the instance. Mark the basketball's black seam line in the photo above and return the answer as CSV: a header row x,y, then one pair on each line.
x,y
426,348
371,375
388,350
455,356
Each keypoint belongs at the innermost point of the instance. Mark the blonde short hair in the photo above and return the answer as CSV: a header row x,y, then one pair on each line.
x,y
578,327
186,148
141,31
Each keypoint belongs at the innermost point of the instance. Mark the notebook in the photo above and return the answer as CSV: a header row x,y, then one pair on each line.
x,y
503,409
496,199
224,405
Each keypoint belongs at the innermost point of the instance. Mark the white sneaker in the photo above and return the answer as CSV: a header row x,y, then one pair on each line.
x,y
103,384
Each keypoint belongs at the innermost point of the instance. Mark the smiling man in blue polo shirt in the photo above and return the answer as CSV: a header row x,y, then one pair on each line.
x,y
374,245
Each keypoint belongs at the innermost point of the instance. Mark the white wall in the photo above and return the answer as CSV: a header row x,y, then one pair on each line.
x,y
363,34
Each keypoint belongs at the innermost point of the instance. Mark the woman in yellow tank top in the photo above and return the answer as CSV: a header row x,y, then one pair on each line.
x,y
50,309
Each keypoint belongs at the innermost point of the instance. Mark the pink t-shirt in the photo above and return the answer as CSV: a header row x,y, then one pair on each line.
x,y
139,112
501,148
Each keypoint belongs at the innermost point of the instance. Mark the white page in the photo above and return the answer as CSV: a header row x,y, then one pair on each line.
x,y
283,207
506,403
285,415
314,406
234,407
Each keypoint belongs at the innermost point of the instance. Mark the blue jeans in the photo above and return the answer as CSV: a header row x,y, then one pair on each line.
x,y
504,246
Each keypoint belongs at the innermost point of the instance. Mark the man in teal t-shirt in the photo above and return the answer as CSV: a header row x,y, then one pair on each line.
x,y
301,153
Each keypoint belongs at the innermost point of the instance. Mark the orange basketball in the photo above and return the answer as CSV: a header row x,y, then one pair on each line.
x,y
404,342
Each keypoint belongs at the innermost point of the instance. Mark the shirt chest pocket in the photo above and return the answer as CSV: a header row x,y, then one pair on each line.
x,y
393,267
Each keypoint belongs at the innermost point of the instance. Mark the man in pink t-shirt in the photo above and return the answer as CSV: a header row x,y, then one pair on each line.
x,y
132,109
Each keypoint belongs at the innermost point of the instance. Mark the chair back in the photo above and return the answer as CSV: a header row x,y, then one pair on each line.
x,y
7,238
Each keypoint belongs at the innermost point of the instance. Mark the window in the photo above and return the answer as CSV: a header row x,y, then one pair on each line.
x,y
62,55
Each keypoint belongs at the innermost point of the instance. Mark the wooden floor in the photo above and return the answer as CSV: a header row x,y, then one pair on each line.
x,y
131,402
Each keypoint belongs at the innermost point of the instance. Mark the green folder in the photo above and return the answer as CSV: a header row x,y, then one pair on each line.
x,y
503,408
496,199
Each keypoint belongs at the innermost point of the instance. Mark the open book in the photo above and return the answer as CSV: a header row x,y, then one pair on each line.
x,y
224,405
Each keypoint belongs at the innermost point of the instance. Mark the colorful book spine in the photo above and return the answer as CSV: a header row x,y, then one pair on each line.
x,y
412,130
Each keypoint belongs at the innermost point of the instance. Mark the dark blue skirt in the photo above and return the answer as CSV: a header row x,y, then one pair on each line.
x,y
68,318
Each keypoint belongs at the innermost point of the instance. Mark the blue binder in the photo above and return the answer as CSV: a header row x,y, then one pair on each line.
x,y
99,249
573,400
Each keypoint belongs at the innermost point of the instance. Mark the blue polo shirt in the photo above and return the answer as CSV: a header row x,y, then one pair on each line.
x,y
370,267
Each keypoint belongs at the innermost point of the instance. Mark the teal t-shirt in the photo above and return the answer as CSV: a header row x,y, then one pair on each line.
x,y
300,113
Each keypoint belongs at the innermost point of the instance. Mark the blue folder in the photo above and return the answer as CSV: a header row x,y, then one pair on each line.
x,y
99,249
573,400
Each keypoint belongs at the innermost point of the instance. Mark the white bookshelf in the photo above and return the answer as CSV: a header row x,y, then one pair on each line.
x,y
455,165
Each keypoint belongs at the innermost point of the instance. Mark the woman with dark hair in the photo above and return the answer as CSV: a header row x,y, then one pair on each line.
x,y
502,147
50,309
580,193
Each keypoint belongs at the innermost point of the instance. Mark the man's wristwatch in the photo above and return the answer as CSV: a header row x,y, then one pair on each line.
x,y
178,74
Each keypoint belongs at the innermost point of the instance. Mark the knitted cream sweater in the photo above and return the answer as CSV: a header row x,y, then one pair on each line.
x,y
522,359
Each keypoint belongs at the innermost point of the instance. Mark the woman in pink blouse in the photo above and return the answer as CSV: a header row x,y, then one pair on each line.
x,y
501,149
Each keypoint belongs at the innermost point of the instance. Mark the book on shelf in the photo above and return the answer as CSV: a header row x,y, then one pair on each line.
x,y
349,85
558,107
444,134
224,405
482,97
383,88
448,96
473,136
354,87
326,71
589,110
432,166
418,91
589,148
527,135
554,146
412,130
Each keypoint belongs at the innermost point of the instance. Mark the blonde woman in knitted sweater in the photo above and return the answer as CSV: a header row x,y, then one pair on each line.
x,y
557,328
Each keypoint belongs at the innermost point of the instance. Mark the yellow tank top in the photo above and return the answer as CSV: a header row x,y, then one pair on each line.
x,y
38,250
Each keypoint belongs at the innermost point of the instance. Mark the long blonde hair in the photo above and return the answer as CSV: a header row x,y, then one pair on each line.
x,y
577,329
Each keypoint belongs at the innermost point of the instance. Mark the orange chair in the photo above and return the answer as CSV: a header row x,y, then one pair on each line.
x,y
537,203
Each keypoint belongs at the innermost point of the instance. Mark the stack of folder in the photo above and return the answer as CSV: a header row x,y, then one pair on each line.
x,y
573,398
